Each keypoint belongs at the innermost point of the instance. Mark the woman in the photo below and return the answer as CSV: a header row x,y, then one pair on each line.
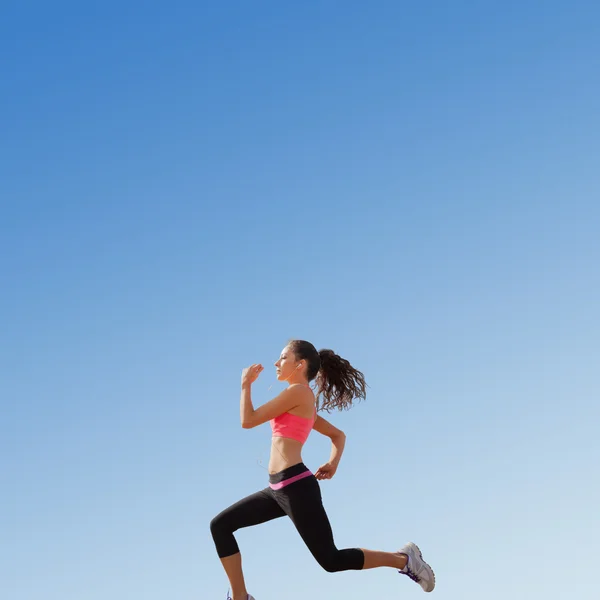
x,y
293,490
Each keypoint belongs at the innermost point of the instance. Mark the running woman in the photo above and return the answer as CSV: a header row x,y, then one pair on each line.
x,y
293,489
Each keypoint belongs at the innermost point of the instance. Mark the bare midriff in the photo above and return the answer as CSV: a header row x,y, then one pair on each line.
x,y
285,452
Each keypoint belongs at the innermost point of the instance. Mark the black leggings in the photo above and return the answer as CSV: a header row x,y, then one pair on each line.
x,y
301,501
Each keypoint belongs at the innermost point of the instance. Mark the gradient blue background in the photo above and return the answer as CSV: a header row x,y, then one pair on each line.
x,y
186,186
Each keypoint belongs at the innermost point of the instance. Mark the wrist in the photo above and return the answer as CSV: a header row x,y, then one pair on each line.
x,y
246,385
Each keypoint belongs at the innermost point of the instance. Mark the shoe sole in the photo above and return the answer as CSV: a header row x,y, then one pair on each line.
x,y
427,565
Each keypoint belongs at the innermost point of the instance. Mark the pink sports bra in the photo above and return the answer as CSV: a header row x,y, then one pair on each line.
x,y
293,426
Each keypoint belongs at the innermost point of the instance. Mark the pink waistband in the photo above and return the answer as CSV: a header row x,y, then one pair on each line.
x,y
281,484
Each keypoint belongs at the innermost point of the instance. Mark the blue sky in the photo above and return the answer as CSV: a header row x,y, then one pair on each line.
x,y
185,187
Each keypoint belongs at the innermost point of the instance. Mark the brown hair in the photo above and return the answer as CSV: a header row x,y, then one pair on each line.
x,y
338,382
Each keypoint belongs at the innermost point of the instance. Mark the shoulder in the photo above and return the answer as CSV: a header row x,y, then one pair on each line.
x,y
300,391
303,398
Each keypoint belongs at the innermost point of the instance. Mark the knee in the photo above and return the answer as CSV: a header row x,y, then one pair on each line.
x,y
330,567
216,525
222,533
329,562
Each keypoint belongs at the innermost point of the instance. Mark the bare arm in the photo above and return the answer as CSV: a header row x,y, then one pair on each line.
x,y
251,417
338,441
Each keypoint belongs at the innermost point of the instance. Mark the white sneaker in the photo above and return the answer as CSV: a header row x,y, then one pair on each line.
x,y
416,568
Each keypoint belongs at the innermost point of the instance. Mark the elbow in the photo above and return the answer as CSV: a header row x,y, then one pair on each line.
x,y
247,425
339,435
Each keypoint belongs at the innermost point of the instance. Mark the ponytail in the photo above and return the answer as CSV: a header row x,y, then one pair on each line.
x,y
339,384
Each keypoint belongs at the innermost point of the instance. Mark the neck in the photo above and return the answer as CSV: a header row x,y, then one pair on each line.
x,y
297,379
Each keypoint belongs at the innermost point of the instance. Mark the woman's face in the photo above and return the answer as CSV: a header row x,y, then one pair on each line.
x,y
286,365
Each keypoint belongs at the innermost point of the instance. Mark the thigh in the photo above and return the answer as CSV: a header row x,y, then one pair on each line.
x,y
303,503
251,510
